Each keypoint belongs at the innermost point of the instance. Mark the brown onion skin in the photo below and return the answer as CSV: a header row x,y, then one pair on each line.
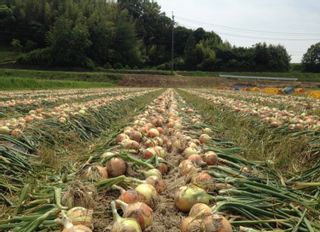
x,y
158,183
116,167
130,196
121,137
163,168
77,228
141,212
216,223
211,158
203,180
136,136
190,224
196,159
200,209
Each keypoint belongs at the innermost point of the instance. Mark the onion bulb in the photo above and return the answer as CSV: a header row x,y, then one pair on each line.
x,y
130,196
157,182
153,132
80,216
130,144
69,227
204,138
135,135
196,159
96,173
187,196
123,224
190,224
121,137
149,193
203,180
116,167
163,168
186,167
4,130
207,131
211,158
139,211
200,209
190,151
152,172
215,223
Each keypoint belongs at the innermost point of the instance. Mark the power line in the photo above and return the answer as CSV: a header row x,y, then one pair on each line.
x,y
265,38
245,29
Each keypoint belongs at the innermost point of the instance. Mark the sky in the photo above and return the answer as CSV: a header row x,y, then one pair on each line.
x,y
294,24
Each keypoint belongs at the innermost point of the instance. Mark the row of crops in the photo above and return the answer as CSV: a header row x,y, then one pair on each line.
x,y
167,170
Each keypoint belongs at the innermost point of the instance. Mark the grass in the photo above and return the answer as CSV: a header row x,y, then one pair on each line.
x,y
258,141
61,75
300,75
18,83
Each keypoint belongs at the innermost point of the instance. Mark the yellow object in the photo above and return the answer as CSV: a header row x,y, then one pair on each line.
x,y
314,94
271,90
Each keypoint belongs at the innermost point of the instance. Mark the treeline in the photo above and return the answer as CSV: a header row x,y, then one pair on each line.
x,y
122,34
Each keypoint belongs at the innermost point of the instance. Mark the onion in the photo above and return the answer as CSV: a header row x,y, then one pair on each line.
x,y
96,173
150,143
190,151
207,131
196,159
163,168
149,193
130,144
187,196
186,167
135,135
15,132
80,216
152,172
215,223
123,224
160,129
200,209
211,158
152,151
149,153
69,227
116,167
203,180
4,130
206,223
204,138
157,182
139,211
130,196
160,152
153,132
190,224
121,137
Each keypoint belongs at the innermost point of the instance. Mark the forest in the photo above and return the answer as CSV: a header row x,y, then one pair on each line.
x,y
122,34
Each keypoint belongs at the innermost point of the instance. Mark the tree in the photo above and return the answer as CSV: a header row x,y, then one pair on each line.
x,y
69,42
311,60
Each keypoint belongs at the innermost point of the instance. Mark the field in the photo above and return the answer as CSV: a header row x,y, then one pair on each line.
x,y
157,159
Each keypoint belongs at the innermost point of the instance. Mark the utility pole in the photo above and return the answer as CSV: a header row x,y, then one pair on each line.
x,y
172,45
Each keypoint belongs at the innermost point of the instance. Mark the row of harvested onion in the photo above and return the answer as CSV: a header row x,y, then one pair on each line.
x,y
15,126
272,116
145,140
